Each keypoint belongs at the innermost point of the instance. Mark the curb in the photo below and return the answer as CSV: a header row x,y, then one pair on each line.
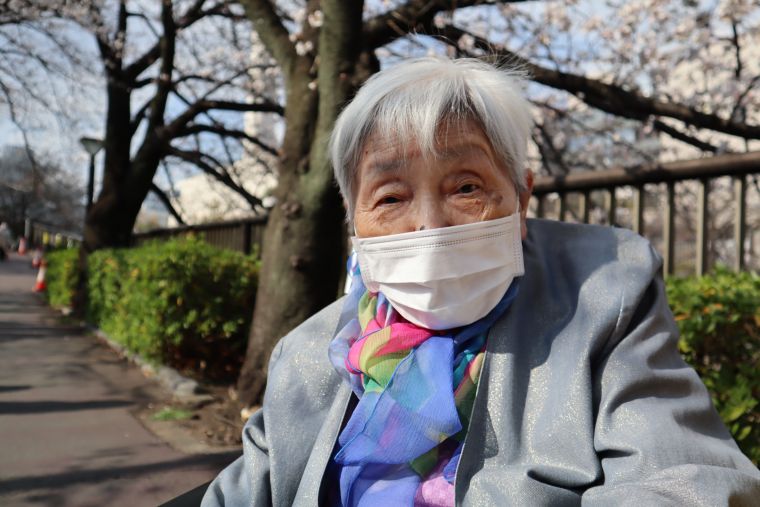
x,y
184,389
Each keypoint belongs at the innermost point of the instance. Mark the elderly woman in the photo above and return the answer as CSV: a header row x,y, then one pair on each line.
x,y
479,358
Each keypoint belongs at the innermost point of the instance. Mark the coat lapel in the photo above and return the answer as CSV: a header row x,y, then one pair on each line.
x,y
316,465
308,489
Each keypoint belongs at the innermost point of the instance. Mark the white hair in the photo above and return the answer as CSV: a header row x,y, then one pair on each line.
x,y
410,101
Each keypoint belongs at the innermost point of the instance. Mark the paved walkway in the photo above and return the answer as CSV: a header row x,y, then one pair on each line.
x,y
67,433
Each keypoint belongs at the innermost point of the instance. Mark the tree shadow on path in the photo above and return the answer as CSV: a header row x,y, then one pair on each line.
x,y
69,478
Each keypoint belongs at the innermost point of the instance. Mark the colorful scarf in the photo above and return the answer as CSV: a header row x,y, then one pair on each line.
x,y
416,388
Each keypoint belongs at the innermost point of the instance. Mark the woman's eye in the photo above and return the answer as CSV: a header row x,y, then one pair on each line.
x,y
467,188
389,200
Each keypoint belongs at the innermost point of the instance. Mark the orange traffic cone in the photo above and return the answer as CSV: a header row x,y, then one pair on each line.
x,y
41,286
22,246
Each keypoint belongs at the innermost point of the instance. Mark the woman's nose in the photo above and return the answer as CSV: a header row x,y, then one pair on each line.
x,y
430,214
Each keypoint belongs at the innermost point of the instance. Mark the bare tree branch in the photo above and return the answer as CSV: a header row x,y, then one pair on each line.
x,y
219,173
207,105
743,95
597,131
549,152
166,202
19,126
223,131
139,117
413,16
138,66
683,137
147,21
610,98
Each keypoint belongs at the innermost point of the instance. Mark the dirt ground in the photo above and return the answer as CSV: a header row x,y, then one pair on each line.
x,y
205,426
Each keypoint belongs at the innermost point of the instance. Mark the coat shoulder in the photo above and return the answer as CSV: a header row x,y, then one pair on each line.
x,y
584,248
300,368
314,334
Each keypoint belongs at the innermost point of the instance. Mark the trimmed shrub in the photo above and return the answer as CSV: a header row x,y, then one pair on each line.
x,y
719,319
61,276
182,303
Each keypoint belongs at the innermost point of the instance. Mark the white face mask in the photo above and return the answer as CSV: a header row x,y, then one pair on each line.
x,y
444,278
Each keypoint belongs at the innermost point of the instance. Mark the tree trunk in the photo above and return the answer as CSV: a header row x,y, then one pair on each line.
x,y
126,183
303,243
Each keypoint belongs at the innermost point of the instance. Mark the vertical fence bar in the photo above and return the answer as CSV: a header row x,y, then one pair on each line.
x,y
540,206
247,226
638,209
562,206
259,238
584,201
611,205
740,220
669,229
702,196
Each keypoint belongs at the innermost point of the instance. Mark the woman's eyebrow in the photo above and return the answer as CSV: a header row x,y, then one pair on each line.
x,y
461,150
453,152
387,165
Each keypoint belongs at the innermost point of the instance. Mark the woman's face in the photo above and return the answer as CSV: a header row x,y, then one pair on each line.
x,y
400,191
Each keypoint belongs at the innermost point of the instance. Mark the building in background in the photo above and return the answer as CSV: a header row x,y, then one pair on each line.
x,y
201,198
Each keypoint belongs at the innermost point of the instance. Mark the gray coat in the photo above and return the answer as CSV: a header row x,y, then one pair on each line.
x,y
583,397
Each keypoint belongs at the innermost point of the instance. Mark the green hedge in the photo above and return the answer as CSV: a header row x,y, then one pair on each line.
x,y
182,303
187,304
61,276
719,319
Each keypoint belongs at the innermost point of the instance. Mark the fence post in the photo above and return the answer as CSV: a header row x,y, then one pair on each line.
x,y
611,206
740,218
702,223
562,206
669,229
638,208
584,198
539,206
247,238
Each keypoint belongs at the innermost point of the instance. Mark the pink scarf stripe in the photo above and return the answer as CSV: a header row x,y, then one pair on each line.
x,y
405,337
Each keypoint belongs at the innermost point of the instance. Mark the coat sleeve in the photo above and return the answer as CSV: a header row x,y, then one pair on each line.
x,y
245,482
657,434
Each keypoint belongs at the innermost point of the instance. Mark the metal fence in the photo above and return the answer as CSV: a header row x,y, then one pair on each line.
x,y
39,234
702,171
245,235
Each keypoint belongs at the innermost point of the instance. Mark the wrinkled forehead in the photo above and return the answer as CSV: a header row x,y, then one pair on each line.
x,y
386,149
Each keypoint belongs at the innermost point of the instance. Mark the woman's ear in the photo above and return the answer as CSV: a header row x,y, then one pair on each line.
x,y
524,198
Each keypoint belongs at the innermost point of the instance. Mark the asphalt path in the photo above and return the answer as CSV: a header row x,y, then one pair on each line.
x,y
68,433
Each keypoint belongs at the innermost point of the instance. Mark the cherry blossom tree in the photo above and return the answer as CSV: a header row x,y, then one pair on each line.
x,y
177,85
179,108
